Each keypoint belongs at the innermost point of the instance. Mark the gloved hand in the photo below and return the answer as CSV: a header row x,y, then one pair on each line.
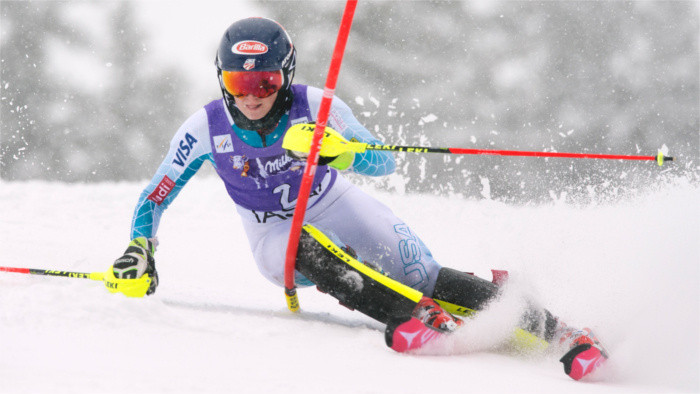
x,y
134,274
336,151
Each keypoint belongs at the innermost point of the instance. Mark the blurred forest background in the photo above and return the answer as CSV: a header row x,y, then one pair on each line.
x,y
575,76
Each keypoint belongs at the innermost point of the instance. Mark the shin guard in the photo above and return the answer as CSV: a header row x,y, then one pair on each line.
x,y
351,282
464,294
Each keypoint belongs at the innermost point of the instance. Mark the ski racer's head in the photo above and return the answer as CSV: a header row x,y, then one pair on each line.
x,y
255,64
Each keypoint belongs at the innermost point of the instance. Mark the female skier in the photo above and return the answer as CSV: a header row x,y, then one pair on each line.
x,y
352,247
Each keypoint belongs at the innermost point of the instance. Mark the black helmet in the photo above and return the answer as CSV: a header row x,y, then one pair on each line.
x,y
257,44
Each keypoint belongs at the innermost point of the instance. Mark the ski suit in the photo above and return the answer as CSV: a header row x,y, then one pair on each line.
x,y
263,182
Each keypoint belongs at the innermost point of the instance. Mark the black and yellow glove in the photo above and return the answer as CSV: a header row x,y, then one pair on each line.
x,y
134,274
336,151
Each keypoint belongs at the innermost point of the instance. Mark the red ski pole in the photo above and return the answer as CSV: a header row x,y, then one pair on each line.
x,y
336,141
128,287
67,274
312,161
357,147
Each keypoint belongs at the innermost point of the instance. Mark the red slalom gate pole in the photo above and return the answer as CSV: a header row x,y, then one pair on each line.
x,y
312,160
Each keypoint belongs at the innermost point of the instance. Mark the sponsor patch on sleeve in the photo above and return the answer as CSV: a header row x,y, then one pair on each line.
x,y
164,188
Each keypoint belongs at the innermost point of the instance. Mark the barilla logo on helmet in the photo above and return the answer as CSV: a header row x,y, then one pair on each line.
x,y
249,48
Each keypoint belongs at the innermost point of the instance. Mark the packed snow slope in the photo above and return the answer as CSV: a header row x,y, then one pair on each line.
x,y
628,269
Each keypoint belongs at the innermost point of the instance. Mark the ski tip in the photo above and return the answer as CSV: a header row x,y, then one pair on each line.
x,y
404,335
582,360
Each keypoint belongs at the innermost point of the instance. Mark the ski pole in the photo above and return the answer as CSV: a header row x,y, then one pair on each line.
x,y
312,161
68,274
298,138
361,147
136,288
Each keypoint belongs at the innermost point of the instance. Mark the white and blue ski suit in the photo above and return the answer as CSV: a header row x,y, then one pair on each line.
x,y
263,182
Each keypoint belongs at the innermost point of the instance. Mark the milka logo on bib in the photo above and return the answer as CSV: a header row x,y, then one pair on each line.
x,y
277,165
249,48
266,167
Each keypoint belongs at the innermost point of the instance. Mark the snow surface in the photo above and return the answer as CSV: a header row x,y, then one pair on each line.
x,y
630,270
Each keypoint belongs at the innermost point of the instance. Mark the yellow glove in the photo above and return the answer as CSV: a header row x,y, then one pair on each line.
x,y
336,151
134,274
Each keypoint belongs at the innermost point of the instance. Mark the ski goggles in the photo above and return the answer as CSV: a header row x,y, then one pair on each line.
x,y
260,84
